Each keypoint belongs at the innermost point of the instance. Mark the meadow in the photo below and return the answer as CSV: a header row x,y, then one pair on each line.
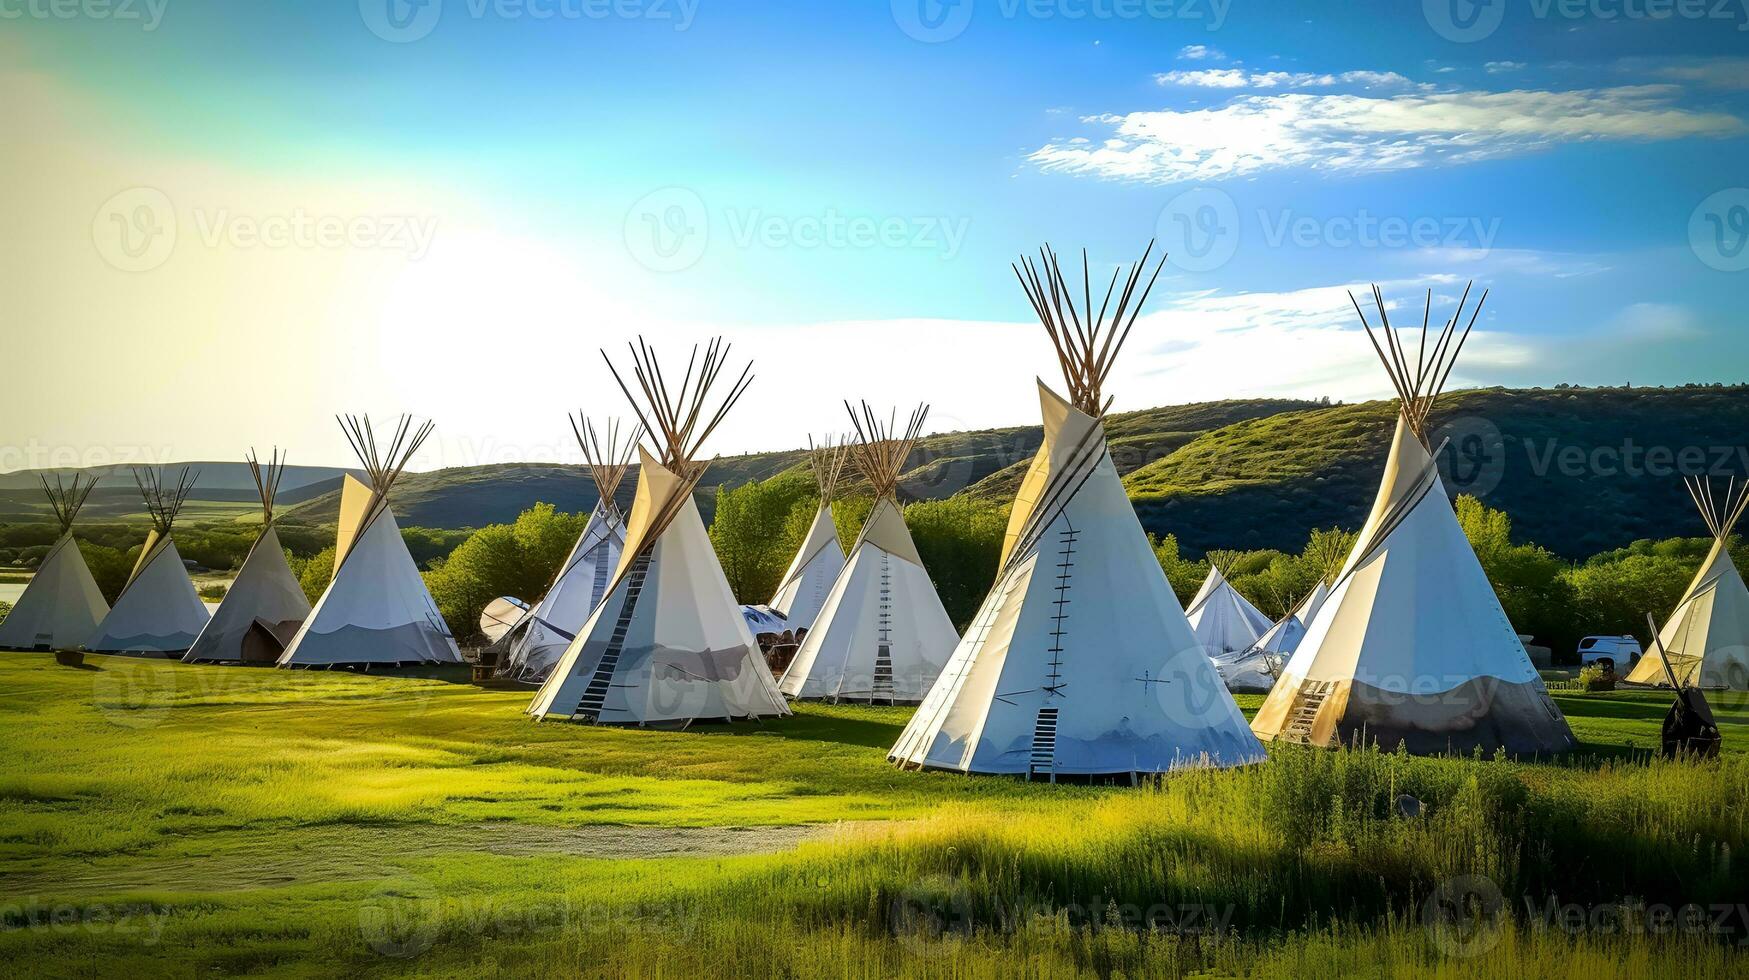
x,y
157,819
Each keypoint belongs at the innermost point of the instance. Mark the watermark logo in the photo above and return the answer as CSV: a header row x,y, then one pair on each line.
x,y
135,694
1190,691
1475,458
400,21
1464,21
667,230
147,13
932,21
1199,229
1463,916
135,230
1718,230
931,915
401,917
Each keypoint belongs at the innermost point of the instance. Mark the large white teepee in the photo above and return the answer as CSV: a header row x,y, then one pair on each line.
x,y
1225,622
1707,637
1080,660
667,646
265,605
61,607
802,593
158,611
376,612
537,642
882,633
1412,648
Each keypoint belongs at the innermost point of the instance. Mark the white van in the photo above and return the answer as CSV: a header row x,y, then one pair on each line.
x,y
1621,651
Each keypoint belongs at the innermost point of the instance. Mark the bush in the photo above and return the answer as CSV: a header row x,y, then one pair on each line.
x,y
517,559
960,542
1593,677
5,608
758,527
213,592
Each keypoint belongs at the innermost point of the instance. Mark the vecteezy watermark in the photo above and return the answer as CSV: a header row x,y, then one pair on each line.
x,y
142,923
1199,229
668,230
1718,230
935,21
1363,229
135,230
1464,915
1475,458
404,21
1632,459
146,13
934,913
35,455
1465,21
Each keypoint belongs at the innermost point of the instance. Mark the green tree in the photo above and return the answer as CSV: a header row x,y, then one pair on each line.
x,y
518,559
5,608
848,515
1612,594
960,542
109,566
753,534
1184,575
314,572
1529,580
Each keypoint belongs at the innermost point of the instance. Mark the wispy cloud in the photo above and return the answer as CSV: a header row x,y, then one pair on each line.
x,y
1502,67
1727,74
1200,52
1233,78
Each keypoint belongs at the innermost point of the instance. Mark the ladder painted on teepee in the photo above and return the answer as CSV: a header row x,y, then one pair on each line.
x,y
594,697
883,671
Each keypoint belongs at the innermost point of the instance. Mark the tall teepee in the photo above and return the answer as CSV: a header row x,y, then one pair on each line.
x,y
1080,661
376,611
265,605
882,633
158,611
1707,637
541,637
1412,648
1225,622
802,593
667,646
61,607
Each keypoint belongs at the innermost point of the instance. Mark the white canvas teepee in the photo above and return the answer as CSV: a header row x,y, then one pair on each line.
x,y
1255,670
1412,648
882,633
667,646
802,592
158,611
537,642
263,608
1080,660
62,606
1225,622
376,611
1707,637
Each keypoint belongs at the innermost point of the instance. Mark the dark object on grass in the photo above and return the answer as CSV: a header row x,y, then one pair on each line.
x,y
70,658
1689,729
1408,806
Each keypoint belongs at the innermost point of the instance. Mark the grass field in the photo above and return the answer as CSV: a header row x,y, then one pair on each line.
x,y
161,819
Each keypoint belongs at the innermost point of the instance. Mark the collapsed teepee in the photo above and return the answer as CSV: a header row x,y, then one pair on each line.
x,y
376,612
802,593
263,608
667,646
882,633
158,611
1256,670
1080,661
1412,648
62,606
1225,622
540,638
1707,636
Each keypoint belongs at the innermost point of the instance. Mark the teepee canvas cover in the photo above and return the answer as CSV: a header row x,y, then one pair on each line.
x,y
667,646
265,605
1412,648
1080,660
1225,622
882,633
1707,637
62,606
537,642
802,592
158,611
1255,670
376,612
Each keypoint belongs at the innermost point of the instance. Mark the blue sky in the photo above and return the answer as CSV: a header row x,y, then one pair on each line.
x,y
707,166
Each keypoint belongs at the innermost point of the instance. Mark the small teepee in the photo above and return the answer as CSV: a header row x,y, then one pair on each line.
x,y
158,611
265,605
1412,648
802,593
1256,670
376,611
1080,661
1707,637
540,638
62,606
667,646
1225,622
882,633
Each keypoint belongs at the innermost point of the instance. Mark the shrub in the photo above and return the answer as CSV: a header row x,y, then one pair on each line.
x,y
1593,677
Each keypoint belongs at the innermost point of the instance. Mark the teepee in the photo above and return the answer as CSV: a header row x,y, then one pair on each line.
x,y
1707,637
158,610
1080,660
376,611
1412,648
1225,622
810,575
1255,670
265,605
667,646
61,607
537,642
882,633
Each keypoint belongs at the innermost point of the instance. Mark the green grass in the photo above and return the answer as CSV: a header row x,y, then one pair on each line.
x,y
315,824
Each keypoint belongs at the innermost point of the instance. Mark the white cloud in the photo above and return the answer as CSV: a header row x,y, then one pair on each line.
x,y
1730,74
1240,78
1500,67
1200,52
1354,133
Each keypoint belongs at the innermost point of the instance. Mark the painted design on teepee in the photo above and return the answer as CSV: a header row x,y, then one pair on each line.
x,y
801,594
265,605
1080,660
1707,635
1411,647
158,610
667,646
376,612
882,633
62,606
